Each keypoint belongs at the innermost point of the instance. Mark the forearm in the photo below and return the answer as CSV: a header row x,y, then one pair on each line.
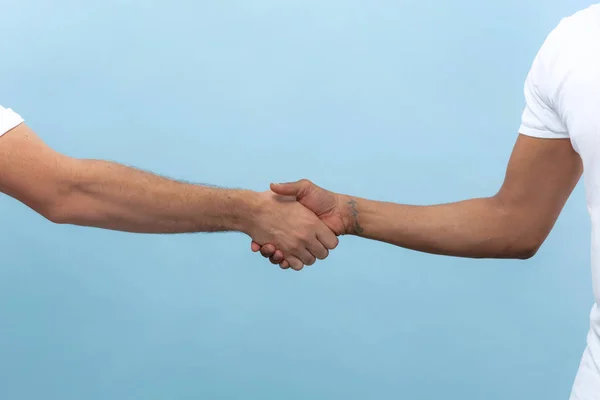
x,y
477,228
112,196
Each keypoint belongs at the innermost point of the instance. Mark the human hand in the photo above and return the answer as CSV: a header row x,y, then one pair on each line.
x,y
326,205
300,237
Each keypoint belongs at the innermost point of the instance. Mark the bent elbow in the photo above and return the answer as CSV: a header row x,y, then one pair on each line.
x,y
58,205
524,250
56,210
527,253
47,186
55,214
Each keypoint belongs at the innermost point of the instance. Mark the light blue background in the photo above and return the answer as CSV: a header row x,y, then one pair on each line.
x,y
410,101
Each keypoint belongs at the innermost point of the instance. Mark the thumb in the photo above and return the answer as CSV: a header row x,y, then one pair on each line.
x,y
255,247
289,189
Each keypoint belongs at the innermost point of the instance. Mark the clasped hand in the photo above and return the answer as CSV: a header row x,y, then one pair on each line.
x,y
299,223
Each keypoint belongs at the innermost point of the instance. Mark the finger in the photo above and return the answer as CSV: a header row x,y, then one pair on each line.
x,y
267,250
318,250
284,264
295,263
305,256
277,258
328,238
255,247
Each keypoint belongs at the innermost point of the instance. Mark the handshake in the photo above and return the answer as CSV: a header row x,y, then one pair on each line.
x,y
299,222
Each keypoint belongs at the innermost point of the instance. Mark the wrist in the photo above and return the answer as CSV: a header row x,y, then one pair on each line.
x,y
245,206
348,207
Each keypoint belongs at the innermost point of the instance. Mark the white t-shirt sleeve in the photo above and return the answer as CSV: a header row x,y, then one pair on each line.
x,y
8,120
540,118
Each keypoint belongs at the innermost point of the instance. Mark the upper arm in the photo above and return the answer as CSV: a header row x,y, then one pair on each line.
x,y
540,177
543,168
30,171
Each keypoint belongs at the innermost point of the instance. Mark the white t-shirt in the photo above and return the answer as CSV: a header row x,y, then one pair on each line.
x,y
8,120
562,93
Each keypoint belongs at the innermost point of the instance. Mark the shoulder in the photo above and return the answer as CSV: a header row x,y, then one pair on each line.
x,y
570,42
574,29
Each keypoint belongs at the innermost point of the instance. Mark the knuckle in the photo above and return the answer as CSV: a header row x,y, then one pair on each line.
x,y
324,255
307,236
299,240
306,186
308,258
297,249
335,243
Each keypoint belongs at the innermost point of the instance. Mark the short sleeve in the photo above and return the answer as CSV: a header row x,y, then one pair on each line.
x,y
8,120
540,118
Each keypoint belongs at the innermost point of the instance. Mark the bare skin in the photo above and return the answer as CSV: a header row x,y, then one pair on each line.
x,y
513,223
107,195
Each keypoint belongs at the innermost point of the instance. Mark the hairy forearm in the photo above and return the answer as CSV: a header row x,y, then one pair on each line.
x,y
476,228
112,196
